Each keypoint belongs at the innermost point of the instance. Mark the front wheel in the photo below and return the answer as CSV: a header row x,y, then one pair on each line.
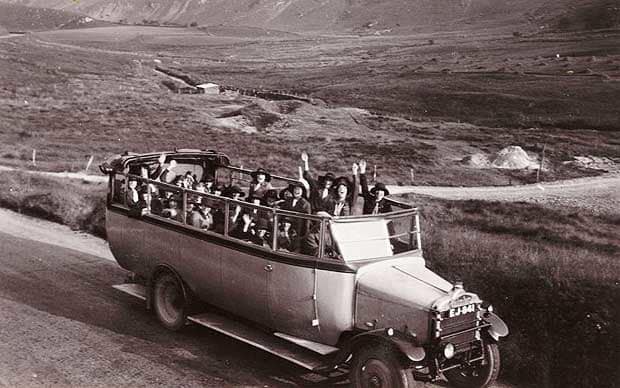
x,y
169,302
480,375
378,366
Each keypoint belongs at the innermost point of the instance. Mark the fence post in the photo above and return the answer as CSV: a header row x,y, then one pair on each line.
x,y
374,174
90,161
34,157
540,166
412,176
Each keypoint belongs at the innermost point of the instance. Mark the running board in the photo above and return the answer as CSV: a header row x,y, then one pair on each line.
x,y
250,335
260,339
133,289
314,346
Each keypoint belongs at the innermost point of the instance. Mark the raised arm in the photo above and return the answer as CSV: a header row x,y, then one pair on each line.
x,y
363,179
306,174
353,200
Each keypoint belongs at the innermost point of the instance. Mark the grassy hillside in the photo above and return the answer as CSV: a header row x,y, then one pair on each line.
x,y
16,17
337,15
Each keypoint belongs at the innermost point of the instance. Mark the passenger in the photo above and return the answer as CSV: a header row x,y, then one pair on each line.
x,y
172,211
242,229
287,237
201,216
261,183
320,191
261,235
346,193
153,171
188,180
133,197
374,200
209,182
297,203
168,175
310,243
237,194
271,199
143,205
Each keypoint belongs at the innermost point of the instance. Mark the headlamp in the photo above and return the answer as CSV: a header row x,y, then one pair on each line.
x,y
448,351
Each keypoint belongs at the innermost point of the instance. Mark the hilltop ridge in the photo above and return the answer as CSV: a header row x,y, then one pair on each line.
x,y
347,15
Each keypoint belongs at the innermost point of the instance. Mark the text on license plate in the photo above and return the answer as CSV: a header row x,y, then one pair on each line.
x,y
462,310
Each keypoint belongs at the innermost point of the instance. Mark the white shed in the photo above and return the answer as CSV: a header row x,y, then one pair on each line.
x,y
209,88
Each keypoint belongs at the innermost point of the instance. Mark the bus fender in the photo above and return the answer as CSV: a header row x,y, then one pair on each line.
x,y
498,327
406,346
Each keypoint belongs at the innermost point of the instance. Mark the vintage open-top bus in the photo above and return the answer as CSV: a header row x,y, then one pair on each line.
x,y
363,301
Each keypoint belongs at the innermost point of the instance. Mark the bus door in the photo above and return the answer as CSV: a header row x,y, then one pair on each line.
x,y
292,279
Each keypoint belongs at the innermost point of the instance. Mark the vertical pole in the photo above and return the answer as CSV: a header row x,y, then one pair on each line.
x,y
411,172
34,157
90,161
184,214
374,174
226,217
542,161
417,231
274,242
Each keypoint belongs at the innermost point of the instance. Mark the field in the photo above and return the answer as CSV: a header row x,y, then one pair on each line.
x,y
409,102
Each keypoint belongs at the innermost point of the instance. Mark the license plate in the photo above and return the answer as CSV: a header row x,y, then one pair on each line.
x,y
462,310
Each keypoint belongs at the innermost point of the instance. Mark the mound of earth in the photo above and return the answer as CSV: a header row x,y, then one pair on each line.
x,y
513,158
476,161
257,116
593,15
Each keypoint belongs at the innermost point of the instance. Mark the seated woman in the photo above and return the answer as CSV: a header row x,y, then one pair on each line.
x,y
320,191
374,199
287,237
261,183
201,217
172,210
345,195
260,233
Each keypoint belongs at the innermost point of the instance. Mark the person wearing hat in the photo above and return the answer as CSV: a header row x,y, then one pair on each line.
x,y
374,200
320,191
201,216
287,236
168,175
261,235
235,193
261,183
132,192
345,195
297,203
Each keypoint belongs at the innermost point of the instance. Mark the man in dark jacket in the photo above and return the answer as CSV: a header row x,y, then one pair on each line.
x,y
374,200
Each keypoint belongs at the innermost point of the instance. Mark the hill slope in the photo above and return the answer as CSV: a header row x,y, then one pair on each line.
x,y
16,17
335,15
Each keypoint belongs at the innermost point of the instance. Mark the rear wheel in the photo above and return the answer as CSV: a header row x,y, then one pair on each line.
x,y
169,301
377,366
480,375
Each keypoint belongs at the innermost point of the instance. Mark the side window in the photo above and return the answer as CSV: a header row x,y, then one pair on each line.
x,y
119,189
251,223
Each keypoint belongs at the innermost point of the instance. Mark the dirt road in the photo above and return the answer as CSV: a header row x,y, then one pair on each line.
x,y
63,325
599,194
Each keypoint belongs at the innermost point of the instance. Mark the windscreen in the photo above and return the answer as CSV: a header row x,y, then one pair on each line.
x,y
362,240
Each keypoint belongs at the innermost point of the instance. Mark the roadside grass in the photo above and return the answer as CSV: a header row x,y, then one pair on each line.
x,y
552,275
77,204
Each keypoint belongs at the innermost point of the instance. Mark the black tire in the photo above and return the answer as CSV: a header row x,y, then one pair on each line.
x,y
479,376
378,365
169,301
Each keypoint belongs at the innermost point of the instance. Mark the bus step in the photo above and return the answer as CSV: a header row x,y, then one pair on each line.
x,y
259,339
133,289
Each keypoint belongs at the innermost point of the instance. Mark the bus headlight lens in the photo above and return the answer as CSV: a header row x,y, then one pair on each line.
x,y
448,351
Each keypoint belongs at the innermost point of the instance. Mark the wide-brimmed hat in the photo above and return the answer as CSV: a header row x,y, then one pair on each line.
x,y
294,184
379,186
234,189
343,180
261,171
327,177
